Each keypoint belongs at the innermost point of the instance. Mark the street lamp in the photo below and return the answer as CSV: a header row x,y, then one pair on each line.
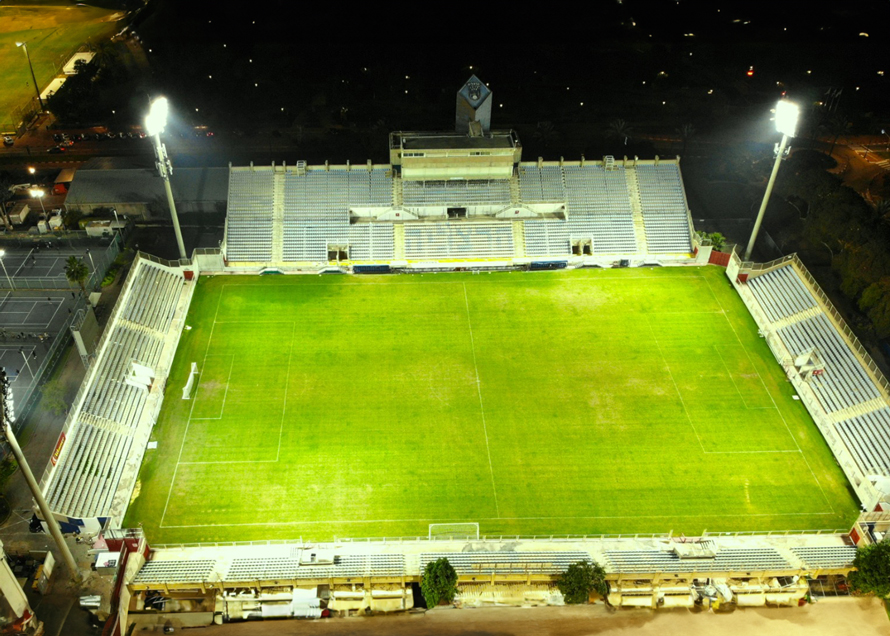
x,y
34,79
787,114
155,123
884,132
39,194
2,264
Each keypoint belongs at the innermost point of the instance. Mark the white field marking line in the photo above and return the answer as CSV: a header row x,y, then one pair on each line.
x,y
676,388
477,280
23,262
58,307
765,388
222,410
481,405
477,519
629,311
286,384
729,373
194,401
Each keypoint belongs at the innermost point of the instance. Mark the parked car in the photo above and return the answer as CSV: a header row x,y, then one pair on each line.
x,y
19,187
8,141
56,149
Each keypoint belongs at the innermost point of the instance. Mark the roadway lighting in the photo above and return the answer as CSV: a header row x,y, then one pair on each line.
x,y
155,122
31,170
24,45
787,114
3,265
39,194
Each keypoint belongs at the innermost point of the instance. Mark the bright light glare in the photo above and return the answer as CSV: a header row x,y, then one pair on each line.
x,y
37,193
786,117
156,120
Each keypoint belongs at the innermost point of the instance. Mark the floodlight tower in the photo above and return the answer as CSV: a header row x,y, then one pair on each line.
x,y
155,123
787,114
7,417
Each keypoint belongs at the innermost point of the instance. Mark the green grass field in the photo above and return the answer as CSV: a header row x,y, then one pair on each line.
x,y
53,31
575,402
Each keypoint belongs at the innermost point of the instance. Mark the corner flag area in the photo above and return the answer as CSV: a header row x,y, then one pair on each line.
x,y
575,402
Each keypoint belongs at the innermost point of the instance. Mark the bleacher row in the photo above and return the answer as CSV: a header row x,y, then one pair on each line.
x,y
663,204
316,204
458,240
455,193
86,478
726,560
249,215
782,295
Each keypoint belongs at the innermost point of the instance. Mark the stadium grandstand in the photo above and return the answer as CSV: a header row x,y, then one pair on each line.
x,y
457,196
447,201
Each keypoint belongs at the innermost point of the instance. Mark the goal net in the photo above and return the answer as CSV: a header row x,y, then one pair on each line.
x,y
187,389
454,531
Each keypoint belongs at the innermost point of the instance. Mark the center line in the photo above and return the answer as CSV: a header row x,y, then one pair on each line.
x,y
481,406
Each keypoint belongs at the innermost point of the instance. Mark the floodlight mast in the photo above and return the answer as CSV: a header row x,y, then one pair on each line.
x,y
7,417
787,114
155,123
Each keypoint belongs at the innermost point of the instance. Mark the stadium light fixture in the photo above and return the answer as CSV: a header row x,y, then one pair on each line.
x,y
155,122
787,114
7,418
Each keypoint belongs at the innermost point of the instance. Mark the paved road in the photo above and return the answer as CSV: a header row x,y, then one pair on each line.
x,y
863,617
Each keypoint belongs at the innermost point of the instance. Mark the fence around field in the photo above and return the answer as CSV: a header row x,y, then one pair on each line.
x,y
102,259
554,538
26,402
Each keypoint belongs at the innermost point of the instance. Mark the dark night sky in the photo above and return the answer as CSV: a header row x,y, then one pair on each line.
x,y
307,57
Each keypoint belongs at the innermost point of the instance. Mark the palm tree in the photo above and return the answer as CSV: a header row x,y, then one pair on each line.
x,y
76,271
546,133
686,132
618,128
837,125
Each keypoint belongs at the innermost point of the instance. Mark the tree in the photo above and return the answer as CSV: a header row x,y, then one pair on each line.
x,y
76,271
439,582
837,125
618,128
875,302
686,132
54,397
580,580
872,575
545,133
716,238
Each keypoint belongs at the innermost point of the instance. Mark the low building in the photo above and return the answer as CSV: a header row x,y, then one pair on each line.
x,y
135,190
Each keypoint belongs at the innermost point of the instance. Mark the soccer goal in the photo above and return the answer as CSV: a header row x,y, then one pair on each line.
x,y
454,531
187,389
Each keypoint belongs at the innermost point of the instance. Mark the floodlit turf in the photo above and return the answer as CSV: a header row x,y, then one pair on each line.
x,y
575,402
53,32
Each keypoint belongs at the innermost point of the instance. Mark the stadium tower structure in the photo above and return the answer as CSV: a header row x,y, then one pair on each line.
x,y
457,198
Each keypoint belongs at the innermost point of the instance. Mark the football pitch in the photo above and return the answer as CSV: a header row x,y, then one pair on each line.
x,y
573,402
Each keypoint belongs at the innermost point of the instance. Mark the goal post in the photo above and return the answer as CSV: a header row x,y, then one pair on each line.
x,y
454,531
187,389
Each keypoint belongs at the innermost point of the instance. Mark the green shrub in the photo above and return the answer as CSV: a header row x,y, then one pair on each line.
x,y
580,580
439,582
